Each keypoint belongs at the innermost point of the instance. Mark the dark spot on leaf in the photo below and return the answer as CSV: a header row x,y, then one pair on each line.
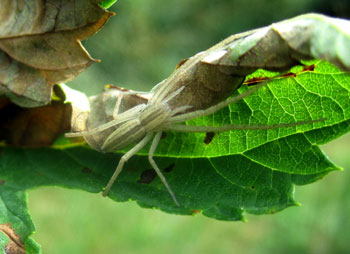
x,y
2,182
181,63
14,246
309,68
147,176
170,168
163,135
289,74
86,171
209,137
253,187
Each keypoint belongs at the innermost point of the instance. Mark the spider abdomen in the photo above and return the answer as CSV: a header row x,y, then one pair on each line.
x,y
135,129
154,116
127,133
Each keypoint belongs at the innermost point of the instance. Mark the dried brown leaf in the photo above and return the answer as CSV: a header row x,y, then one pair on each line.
x,y
34,127
40,43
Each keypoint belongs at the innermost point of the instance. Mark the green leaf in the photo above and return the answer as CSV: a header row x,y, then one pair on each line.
x,y
237,172
221,176
107,3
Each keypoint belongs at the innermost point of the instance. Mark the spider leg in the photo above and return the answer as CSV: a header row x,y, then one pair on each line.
x,y
158,100
123,117
156,168
117,106
180,109
97,129
124,159
191,128
213,109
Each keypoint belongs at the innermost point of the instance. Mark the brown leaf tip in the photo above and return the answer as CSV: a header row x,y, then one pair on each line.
x,y
254,81
309,68
15,245
289,74
194,212
110,86
181,63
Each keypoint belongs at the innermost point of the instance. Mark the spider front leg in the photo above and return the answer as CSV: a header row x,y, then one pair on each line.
x,y
124,159
119,118
132,152
156,168
214,108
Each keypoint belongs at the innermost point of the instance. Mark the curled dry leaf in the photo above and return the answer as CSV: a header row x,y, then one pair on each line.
x,y
281,45
40,45
213,75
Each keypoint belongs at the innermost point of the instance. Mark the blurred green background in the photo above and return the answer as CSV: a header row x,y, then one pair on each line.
x,y
139,47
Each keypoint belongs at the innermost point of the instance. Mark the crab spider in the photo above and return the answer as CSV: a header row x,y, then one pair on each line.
x,y
198,87
148,120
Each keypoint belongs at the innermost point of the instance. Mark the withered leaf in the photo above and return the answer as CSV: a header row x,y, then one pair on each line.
x,y
40,45
14,246
283,44
34,127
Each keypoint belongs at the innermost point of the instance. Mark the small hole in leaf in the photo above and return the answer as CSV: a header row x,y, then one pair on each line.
x,y
209,137
170,168
147,176
86,171
2,182
59,93
163,135
253,187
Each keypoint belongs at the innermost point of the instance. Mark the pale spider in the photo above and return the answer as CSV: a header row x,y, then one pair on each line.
x,y
194,90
